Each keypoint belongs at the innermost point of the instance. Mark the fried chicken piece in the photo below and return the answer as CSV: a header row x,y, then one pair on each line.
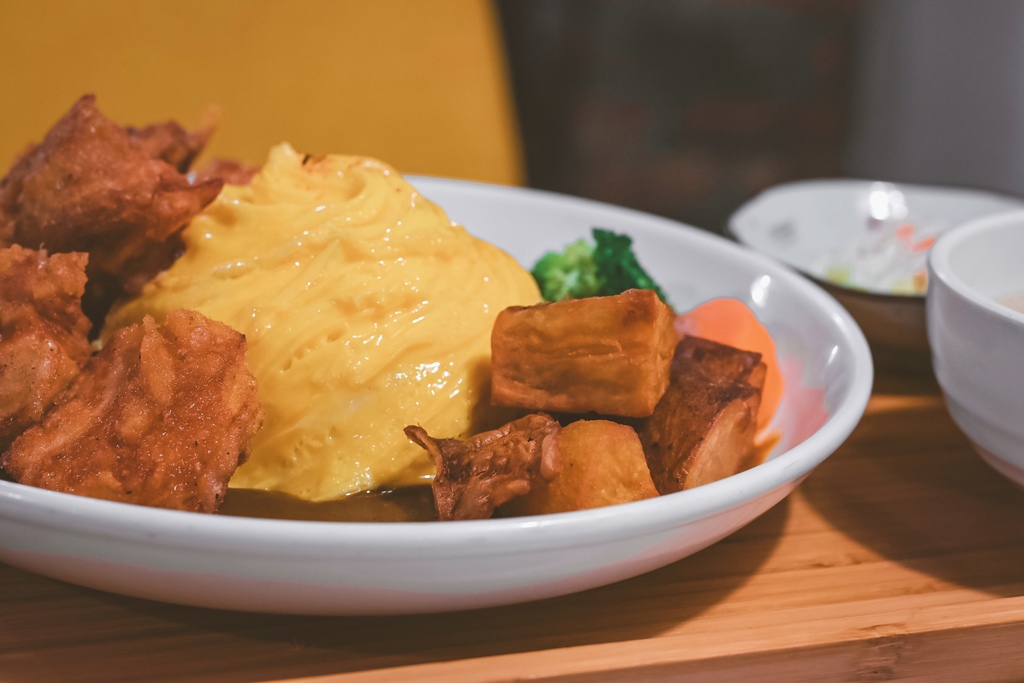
x,y
161,416
487,470
171,143
92,186
43,333
230,171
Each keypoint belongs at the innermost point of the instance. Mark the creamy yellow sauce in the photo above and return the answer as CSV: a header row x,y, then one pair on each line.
x,y
365,309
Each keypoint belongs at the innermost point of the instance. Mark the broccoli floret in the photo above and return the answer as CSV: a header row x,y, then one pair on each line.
x,y
617,266
606,267
571,274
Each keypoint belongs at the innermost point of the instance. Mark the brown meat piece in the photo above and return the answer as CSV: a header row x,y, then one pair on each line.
x,y
230,171
720,361
161,416
43,334
170,142
477,475
89,186
703,428
606,354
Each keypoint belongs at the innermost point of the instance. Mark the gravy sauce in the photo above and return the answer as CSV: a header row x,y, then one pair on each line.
x,y
412,504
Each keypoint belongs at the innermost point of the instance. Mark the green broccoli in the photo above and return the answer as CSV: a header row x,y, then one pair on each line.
x,y
604,268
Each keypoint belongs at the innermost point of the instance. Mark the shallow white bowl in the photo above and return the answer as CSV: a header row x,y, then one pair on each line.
x,y
977,342
362,568
803,223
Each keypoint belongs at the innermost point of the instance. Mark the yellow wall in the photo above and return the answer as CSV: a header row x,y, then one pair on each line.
x,y
421,84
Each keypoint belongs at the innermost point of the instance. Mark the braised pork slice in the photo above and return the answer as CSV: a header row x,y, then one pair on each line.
x,y
703,427
491,468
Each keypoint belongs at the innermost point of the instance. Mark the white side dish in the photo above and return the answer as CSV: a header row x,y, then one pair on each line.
x,y
866,243
865,235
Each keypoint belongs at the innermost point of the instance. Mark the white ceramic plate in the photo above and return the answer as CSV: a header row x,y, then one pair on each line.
x,y
387,568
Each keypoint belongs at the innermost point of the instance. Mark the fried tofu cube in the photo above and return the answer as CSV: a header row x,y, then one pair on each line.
x,y
607,355
703,428
602,463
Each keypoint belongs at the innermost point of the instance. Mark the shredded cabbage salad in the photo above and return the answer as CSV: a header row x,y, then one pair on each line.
x,y
890,257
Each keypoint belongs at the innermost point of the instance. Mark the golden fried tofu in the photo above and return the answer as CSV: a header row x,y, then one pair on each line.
x,y
161,416
602,463
703,428
43,333
607,355
489,469
92,186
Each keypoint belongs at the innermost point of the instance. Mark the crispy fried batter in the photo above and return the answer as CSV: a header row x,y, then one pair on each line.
x,y
606,354
477,475
703,427
162,416
231,171
43,334
171,143
89,186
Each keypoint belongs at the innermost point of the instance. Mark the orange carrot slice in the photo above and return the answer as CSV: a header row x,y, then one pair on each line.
x,y
730,321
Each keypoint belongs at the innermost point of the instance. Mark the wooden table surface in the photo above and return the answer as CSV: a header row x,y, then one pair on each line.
x,y
900,558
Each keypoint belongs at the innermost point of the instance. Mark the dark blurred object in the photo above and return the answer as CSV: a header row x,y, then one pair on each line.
x,y
683,109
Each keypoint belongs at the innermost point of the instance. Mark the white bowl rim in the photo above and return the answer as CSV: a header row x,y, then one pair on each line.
x,y
815,184
856,182
939,260
94,517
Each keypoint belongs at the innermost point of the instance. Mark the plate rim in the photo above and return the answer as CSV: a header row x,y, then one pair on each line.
x,y
172,528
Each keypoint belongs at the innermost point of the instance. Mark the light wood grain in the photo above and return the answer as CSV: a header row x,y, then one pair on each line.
x,y
900,558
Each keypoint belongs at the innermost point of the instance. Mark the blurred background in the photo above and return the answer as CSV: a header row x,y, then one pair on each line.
x,y
681,108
